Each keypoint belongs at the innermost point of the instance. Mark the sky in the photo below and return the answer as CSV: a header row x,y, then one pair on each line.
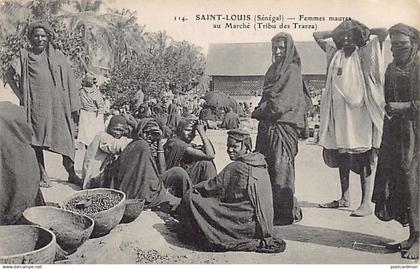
x,y
164,15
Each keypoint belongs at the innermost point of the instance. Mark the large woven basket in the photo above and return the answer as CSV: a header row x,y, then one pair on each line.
x,y
23,244
71,229
105,220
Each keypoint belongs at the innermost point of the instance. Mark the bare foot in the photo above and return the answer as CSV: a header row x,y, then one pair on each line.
x,y
412,252
362,211
406,244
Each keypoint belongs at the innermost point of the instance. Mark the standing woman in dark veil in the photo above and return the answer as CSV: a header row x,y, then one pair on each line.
x,y
396,189
281,116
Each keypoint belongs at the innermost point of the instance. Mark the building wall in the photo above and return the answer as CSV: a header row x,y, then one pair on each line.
x,y
253,85
238,85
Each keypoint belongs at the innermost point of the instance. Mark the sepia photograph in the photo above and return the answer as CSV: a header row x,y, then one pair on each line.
x,y
270,132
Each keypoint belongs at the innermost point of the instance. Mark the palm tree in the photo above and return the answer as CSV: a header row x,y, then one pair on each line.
x,y
157,41
129,36
84,17
13,16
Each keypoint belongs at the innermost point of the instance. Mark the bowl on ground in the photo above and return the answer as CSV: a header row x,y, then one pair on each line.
x,y
71,229
26,244
133,208
105,206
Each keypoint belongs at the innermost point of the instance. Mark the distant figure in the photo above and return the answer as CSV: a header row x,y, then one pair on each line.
x,y
247,109
396,191
161,117
139,99
231,120
240,109
91,121
232,211
173,117
185,113
352,107
47,89
19,171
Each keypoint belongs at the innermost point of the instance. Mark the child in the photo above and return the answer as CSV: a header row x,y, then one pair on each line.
x,y
101,152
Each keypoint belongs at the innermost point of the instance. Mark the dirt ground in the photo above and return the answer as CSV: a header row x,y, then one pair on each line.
x,y
323,236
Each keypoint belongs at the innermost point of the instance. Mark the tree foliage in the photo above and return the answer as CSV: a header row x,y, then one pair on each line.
x,y
177,66
150,61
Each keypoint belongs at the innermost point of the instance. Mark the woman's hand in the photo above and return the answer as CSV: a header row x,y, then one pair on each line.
x,y
393,108
200,127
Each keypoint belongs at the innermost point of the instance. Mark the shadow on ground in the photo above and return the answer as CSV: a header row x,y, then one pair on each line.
x,y
334,238
65,183
307,204
168,231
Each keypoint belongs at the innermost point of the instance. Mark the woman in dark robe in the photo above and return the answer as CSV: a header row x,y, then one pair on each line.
x,y
180,152
231,120
173,117
396,189
19,171
141,171
281,116
234,210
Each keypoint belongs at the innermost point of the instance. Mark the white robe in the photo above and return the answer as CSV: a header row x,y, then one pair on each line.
x,y
352,105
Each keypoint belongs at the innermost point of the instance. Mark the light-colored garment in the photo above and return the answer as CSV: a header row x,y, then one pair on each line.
x,y
91,120
99,154
92,99
139,98
90,124
352,105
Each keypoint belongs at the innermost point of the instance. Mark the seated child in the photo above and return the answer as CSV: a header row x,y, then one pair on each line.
x,y
102,151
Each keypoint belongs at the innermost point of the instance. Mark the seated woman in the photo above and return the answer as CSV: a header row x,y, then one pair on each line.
x,y
234,210
179,151
19,171
231,120
141,168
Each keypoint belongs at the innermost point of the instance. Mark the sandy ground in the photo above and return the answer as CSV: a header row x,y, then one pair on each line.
x,y
323,236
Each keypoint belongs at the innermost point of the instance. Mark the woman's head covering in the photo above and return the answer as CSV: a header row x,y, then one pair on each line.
x,y
360,33
88,80
40,24
141,126
291,57
404,54
407,30
243,136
